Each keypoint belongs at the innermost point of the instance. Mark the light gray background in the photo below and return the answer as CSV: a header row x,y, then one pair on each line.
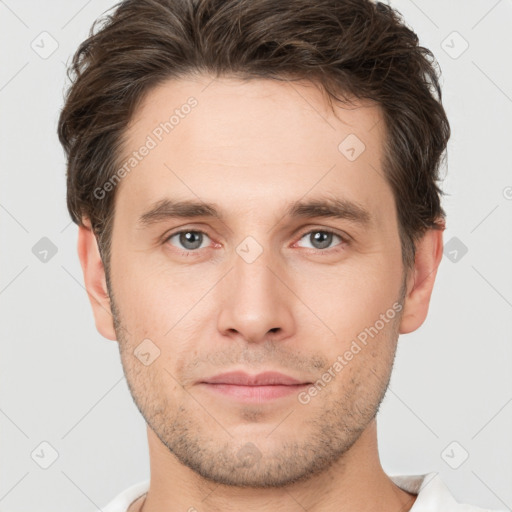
x,y
62,383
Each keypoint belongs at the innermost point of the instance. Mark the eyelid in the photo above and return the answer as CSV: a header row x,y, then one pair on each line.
x,y
326,229
176,231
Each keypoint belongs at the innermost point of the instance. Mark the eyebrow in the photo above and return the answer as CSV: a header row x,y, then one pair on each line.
x,y
334,208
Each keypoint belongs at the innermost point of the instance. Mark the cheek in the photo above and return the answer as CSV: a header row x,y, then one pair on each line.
x,y
351,297
168,308
147,295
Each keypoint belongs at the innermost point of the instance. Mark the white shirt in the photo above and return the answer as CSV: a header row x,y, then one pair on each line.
x,y
433,495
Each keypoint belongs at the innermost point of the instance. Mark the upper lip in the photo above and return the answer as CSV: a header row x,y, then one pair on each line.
x,y
261,379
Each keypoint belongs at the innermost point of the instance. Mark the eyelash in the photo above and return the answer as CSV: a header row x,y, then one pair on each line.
x,y
344,240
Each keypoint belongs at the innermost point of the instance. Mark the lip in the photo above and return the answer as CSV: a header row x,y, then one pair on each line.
x,y
261,379
259,388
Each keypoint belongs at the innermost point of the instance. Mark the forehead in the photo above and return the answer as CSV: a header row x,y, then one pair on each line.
x,y
252,107
250,143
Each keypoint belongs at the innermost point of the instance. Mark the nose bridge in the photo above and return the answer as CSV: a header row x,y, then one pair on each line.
x,y
252,270
254,299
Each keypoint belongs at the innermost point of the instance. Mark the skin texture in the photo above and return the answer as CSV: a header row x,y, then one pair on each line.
x,y
252,148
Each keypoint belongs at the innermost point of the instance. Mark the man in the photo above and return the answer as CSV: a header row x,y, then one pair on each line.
x,y
255,184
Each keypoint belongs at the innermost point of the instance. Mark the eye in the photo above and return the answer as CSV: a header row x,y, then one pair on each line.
x,y
321,238
189,239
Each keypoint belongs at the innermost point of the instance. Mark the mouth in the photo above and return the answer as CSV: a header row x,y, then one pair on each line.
x,y
259,388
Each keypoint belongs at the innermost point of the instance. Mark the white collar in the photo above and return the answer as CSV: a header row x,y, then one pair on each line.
x,y
433,495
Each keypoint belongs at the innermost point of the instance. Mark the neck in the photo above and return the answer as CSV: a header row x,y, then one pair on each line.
x,y
355,482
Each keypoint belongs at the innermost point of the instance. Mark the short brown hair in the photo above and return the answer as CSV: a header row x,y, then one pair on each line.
x,y
350,48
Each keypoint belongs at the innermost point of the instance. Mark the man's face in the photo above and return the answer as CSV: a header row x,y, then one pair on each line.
x,y
255,289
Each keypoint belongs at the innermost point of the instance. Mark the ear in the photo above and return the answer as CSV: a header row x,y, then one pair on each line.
x,y
420,283
95,281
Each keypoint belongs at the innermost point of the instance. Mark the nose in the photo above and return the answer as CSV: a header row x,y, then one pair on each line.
x,y
256,301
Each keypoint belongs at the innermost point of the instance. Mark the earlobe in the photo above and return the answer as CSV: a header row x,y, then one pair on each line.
x,y
429,251
95,281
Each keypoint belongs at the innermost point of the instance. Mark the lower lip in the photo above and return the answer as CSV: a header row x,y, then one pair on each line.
x,y
254,393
